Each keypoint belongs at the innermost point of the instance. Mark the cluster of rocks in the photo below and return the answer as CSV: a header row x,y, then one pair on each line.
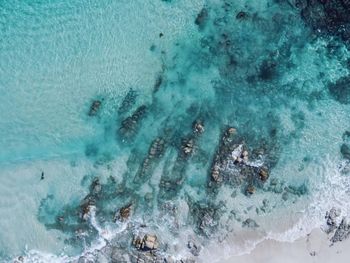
x,y
128,101
198,127
231,164
341,230
95,107
187,146
129,126
146,243
124,213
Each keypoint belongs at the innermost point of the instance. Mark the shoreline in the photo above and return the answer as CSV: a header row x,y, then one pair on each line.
x,y
315,247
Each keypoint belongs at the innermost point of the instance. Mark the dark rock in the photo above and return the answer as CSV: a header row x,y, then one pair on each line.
x,y
128,101
86,206
202,18
124,213
194,249
94,108
158,83
250,190
148,242
263,174
241,15
129,126
342,232
155,152
249,223
331,217
187,146
345,151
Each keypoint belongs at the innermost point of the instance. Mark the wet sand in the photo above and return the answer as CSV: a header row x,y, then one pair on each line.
x,y
316,247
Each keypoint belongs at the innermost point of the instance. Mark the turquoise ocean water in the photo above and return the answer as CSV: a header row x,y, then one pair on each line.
x,y
157,69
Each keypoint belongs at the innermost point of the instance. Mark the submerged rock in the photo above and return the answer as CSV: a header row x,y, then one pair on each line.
x,y
345,150
124,213
129,126
250,190
94,108
128,101
263,174
198,127
202,18
250,223
241,15
158,83
187,146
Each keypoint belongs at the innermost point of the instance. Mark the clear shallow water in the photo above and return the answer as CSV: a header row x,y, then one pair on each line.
x,y
265,74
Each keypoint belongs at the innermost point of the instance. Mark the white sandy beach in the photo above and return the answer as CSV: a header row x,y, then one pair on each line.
x,y
313,248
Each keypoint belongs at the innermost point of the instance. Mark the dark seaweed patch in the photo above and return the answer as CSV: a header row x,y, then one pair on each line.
x,y
202,18
340,90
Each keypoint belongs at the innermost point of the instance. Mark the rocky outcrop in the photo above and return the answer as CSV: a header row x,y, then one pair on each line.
x,y
232,164
148,242
331,219
198,127
129,126
342,232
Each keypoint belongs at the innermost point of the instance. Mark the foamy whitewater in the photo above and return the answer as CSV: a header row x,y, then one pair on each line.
x,y
168,130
